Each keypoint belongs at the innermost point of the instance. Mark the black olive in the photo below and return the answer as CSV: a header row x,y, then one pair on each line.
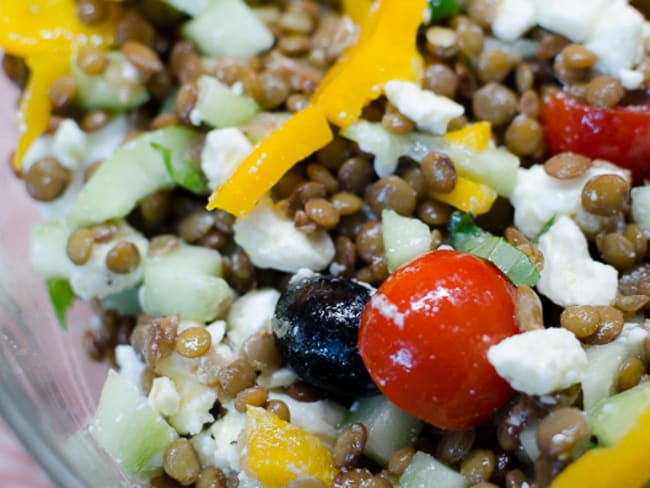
x,y
316,326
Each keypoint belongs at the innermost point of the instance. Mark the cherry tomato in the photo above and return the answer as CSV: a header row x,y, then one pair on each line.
x,y
424,337
618,134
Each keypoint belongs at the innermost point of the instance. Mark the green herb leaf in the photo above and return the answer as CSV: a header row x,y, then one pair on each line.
x,y
442,9
187,176
549,223
61,297
466,236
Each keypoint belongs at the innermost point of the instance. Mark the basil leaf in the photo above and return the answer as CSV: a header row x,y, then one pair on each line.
x,y
187,176
442,9
466,236
61,297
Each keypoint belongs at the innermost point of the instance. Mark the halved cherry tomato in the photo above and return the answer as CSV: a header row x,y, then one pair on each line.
x,y
424,337
618,134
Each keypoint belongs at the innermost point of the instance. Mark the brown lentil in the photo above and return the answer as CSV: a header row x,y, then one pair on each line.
x,y
604,91
305,192
617,250
454,445
346,203
467,81
529,104
630,373
478,465
634,233
133,27
16,69
91,12
211,477
163,120
391,192
322,212
515,478
604,194
123,258
494,65
181,463
550,45
104,232
610,325
439,172
494,102
213,240
62,93
582,320
255,396
239,271
397,123
524,77
560,432
297,102
441,41
236,376
294,44
274,90
279,408
90,171
143,58
303,392
399,461
524,136
163,244
146,379
413,175
306,482
80,244
261,353
92,346
577,56
482,11
470,36
193,342
440,79
320,174
631,304
359,478
185,102
355,174
46,179
434,213
528,309
349,446
195,225
92,60
94,120
369,241
567,165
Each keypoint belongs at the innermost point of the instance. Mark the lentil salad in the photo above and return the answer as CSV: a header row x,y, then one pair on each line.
x,y
279,339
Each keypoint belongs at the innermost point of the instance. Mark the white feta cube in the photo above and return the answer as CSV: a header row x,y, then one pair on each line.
x,y
573,19
224,150
251,313
272,241
429,111
69,144
630,79
539,361
514,18
225,432
570,276
129,364
163,397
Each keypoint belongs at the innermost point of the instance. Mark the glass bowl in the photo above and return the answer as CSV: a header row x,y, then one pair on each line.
x,y
48,388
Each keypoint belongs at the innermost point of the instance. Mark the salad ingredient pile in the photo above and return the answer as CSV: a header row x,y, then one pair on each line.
x,y
348,243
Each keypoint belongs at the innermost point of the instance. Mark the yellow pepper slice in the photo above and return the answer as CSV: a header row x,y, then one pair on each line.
x,y
625,464
357,10
293,141
386,50
46,33
468,196
473,136
277,452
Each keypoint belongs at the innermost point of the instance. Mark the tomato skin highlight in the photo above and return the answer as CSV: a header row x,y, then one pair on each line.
x,y
617,134
424,337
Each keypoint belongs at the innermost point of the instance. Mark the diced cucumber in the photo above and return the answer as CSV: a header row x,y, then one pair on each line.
x,y
190,7
229,28
601,377
125,302
389,428
48,250
132,432
496,168
134,171
186,281
404,238
118,88
425,471
220,107
615,416
640,207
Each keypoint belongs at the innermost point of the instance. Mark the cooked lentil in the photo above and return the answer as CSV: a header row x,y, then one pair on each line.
x,y
279,408
181,463
193,342
123,257
567,165
478,466
79,247
560,432
605,194
46,179
349,446
439,172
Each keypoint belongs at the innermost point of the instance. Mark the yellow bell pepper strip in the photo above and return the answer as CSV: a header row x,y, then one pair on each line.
x,y
386,51
468,196
473,136
623,465
293,141
357,10
45,33
276,452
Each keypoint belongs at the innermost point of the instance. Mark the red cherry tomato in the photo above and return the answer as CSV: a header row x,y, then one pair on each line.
x,y
618,134
424,337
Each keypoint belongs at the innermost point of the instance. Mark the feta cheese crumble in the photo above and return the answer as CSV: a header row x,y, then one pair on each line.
x,y
540,361
251,313
429,111
224,150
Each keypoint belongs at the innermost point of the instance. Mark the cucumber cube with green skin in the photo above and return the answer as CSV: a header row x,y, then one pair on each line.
x,y
426,471
119,88
220,107
131,173
615,416
229,28
389,428
404,238
190,7
130,430
186,281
